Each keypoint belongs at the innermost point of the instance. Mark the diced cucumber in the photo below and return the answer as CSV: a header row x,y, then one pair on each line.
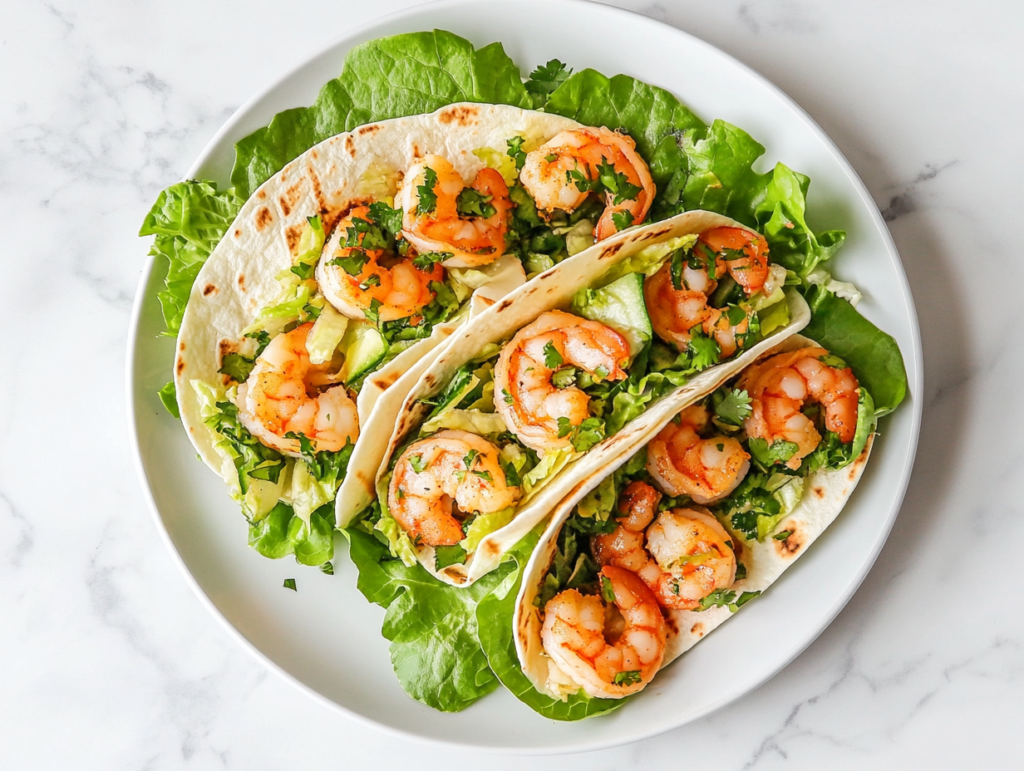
x,y
620,305
364,348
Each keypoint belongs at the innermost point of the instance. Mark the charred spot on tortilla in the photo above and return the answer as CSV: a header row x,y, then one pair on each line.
x,y
384,383
180,365
792,543
261,194
416,154
697,629
208,290
363,130
505,304
460,115
610,251
350,145
238,233
819,491
181,346
489,547
292,235
290,198
241,281
263,217
318,189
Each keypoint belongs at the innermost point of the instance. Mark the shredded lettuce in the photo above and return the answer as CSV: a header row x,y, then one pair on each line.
x,y
474,421
326,334
547,469
483,525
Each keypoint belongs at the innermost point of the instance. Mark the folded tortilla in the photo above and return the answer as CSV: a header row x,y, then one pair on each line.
x,y
553,289
238,279
825,493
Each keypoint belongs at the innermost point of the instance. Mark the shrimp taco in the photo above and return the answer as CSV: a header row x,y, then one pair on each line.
x,y
574,364
638,565
339,279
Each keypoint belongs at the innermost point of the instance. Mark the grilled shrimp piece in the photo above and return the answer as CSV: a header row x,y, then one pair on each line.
x,y
683,557
525,397
780,385
433,193
285,393
447,467
694,553
674,312
400,288
561,173
574,635
682,463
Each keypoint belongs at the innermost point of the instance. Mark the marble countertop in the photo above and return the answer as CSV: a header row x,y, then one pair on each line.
x,y
110,661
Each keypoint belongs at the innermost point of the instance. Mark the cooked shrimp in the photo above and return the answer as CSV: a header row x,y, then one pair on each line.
x,y
399,288
683,463
446,467
744,252
780,385
435,224
285,394
675,312
530,404
576,635
560,174
624,546
694,553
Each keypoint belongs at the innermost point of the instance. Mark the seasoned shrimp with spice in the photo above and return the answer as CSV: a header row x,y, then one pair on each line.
x,y
362,279
528,400
677,294
683,556
780,386
683,463
562,172
609,654
286,394
448,473
445,216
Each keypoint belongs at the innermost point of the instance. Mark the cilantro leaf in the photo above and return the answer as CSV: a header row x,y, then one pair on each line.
x,y
564,377
427,197
515,151
552,358
386,218
237,367
545,79
327,569
627,678
732,406
449,555
289,583
471,204
616,183
373,312
426,260
607,590
703,349
416,461
783,535
719,598
768,455
505,395
587,434
564,427
622,219
353,263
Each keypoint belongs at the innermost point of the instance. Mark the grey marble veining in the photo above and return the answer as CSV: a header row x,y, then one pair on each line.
x,y
109,660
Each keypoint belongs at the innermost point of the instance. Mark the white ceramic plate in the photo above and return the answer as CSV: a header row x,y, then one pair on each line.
x,y
326,638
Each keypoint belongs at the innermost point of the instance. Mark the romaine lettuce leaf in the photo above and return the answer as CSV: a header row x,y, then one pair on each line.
x,y
435,649
873,355
281,533
494,622
188,220
390,77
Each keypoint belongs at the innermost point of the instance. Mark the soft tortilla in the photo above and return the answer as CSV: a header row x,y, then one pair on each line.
x,y
239,277
825,494
554,289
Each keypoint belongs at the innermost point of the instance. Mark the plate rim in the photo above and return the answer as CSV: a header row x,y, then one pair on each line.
x,y
914,402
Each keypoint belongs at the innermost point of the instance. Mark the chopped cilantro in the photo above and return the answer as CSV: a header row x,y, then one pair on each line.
x,y
627,678
425,260
768,455
353,263
507,397
470,457
590,432
564,427
386,218
428,198
601,372
831,360
373,312
372,280
732,406
545,79
449,555
303,270
581,180
675,270
237,367
719,598
327,568
289,583
471,204
564,377
515,151
622,219
552,358
703,349
484,475
783,535
743,599
616,183
416,461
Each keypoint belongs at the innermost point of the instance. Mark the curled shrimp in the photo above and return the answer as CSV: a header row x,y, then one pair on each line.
x,y
448,467
356,280
675,312
682,557
526,398
286,394
682,463
561,173
780,385
434,223
577,630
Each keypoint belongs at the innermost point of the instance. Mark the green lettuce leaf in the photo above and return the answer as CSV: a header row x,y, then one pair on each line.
x,y
281,533
435,649
188,220
494,621
873,355
390,77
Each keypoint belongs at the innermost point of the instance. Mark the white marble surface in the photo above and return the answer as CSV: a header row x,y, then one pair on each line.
x,y
110,662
